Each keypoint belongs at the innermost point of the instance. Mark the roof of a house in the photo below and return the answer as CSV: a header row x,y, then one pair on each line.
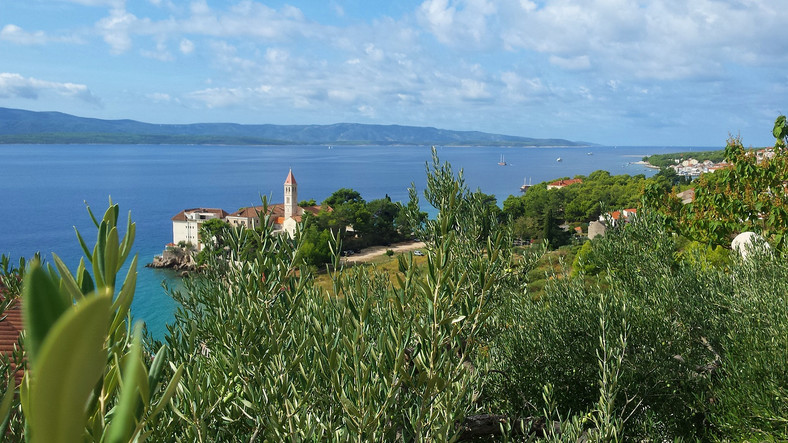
x,y
11,325
276,211
181,216
562,183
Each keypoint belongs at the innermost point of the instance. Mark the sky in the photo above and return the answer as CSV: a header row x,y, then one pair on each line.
x,y
613,72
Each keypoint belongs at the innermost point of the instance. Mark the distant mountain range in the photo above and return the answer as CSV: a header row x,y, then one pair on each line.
x,y
21,126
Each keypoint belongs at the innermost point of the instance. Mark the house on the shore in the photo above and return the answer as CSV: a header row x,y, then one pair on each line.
x,y
563,183
186,224
283,217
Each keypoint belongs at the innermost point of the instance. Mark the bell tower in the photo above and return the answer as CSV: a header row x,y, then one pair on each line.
x,y
291,196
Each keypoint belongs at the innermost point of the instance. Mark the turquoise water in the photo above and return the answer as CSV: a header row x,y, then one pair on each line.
x,y
42,187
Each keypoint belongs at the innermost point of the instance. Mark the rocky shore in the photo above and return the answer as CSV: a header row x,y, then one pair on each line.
x,y
176,259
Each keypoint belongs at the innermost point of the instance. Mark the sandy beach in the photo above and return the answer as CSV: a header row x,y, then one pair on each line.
x,y
646,164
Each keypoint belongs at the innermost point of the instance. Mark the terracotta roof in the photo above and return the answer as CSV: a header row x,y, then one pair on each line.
x,y
315,209
562,183
276,211
181,216
290,180
253,211
11,325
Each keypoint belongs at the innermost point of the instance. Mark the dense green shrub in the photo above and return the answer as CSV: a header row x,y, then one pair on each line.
x,y
268,354
703,353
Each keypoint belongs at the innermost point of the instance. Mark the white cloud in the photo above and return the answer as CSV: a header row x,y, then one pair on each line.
x,y
660,39
367,111
13,85
186,46
116,30
15,34
464,25
474,90
161,52
276,56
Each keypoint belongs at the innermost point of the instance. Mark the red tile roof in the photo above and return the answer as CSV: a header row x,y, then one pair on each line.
x,y
11,325
276,211
562,183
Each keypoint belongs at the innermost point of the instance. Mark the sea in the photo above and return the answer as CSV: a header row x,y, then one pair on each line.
x,y
44,189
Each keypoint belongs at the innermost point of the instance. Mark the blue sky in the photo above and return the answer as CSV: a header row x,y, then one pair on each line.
x,y
617,72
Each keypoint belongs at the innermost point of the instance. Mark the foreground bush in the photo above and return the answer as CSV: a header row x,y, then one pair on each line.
x,y
705,346
270,356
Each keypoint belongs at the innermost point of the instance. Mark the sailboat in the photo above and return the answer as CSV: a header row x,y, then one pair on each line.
x,y
502,162
525,186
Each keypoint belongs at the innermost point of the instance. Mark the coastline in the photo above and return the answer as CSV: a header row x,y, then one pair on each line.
x,y
644,164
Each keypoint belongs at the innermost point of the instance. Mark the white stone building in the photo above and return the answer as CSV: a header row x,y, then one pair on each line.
x,y
283,217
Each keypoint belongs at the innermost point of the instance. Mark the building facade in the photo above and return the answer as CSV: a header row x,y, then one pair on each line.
x,y
283,217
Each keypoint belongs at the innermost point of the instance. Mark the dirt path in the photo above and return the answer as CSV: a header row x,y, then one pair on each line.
x,y
375,251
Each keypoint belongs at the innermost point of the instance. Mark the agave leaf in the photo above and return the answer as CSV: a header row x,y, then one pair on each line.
x,y
96,271
99,263
71,360
5,405
84,279
67,281
42,306
111,253
92,217
128,240
122,426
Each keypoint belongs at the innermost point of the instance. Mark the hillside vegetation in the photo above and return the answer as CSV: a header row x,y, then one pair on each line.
x,y
655,335
19,126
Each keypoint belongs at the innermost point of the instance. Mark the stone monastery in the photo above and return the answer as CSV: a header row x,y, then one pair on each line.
x,y
284,217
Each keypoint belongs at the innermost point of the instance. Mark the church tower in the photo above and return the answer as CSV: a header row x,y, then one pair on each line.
x,y
291,196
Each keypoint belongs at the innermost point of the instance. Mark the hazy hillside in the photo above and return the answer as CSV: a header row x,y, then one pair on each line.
x,y
20,126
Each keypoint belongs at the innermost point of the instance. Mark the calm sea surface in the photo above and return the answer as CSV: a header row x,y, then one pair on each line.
x,y
43,187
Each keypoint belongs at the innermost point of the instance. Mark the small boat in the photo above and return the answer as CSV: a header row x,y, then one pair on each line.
x,y
502,162
589,153
559,159
525,186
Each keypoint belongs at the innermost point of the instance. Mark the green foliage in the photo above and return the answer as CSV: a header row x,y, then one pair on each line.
x,y
697,333
748,196
76,339
584,261
650,337
577,203
273,357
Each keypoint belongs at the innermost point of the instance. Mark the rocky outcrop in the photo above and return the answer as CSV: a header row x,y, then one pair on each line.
x,y
176,259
